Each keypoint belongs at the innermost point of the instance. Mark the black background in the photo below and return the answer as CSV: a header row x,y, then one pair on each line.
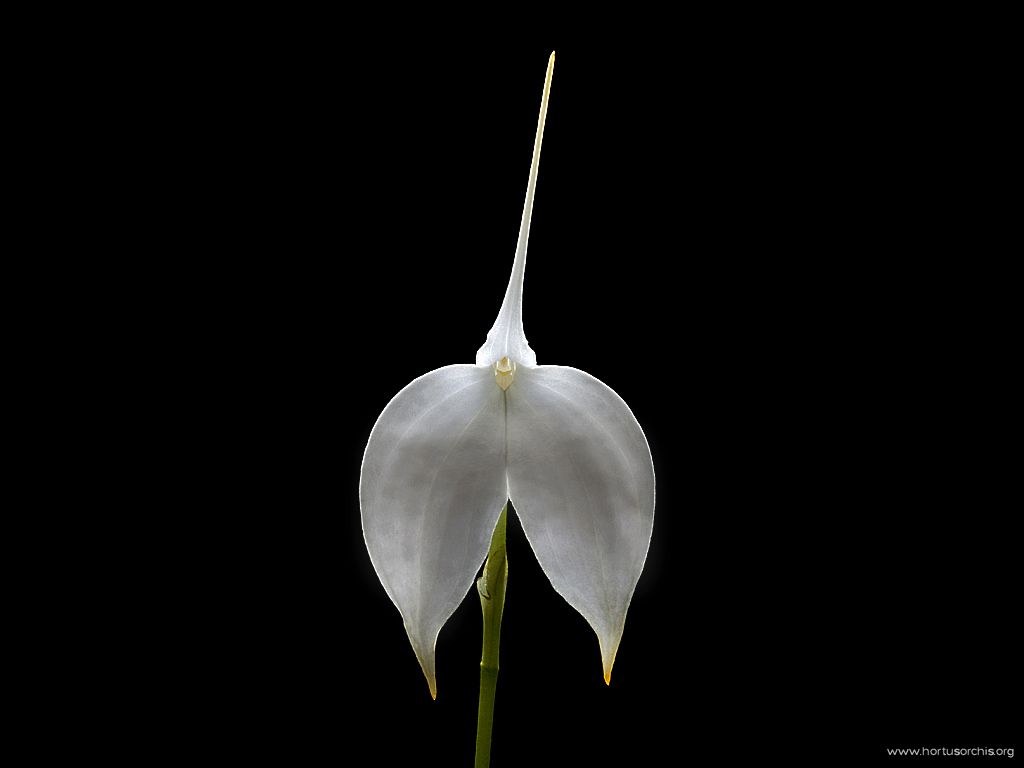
x,y
779,243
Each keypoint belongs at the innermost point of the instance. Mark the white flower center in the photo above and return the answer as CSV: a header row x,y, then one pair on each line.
x,y
504,372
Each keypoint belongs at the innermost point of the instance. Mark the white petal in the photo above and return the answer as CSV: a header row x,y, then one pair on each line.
x,y
582,481
432,487
506,337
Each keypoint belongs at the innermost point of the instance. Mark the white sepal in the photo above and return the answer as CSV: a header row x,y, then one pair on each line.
x,y
431,488
507,337
581,479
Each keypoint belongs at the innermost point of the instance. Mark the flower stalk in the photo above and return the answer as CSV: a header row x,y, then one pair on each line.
x,y
491,587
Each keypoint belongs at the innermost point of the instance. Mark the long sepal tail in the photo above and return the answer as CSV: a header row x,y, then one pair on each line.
x,y
506,337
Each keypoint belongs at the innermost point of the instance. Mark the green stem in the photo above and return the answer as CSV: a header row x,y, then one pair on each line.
x,y
491,586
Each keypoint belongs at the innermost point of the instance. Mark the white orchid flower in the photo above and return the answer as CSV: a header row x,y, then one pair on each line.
x,y
456,444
